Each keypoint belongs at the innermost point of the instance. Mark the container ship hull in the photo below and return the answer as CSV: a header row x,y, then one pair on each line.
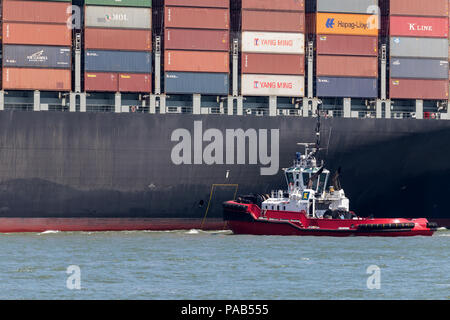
x,y
101,171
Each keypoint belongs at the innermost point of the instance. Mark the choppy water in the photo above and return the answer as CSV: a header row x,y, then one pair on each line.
x,y
217,265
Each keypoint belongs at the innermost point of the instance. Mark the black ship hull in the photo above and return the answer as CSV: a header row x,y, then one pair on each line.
x,y
101,171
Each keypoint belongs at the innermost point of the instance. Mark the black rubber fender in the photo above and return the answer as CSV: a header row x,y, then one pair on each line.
x,y
386,226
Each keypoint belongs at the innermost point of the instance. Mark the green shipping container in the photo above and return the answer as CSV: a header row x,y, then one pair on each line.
x,y
120,3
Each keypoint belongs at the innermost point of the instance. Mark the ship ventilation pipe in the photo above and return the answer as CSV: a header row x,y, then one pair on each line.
x,y
158,65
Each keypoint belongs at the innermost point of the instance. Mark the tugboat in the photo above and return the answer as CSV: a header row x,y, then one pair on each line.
x,y
314,205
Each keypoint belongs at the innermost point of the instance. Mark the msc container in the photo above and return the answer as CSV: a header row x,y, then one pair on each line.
x,y
196,61
347,6
135,82
39,34
419,89
197,18
419,68
194,82
199,3
347,66
118,61
436,8
120,3
196,39
36,79
276,21
273,42
346,24
36,11
346,87
419,27
286,5
263,63
347,45
118,39
101,81
419,47
118,17
36,56
272,85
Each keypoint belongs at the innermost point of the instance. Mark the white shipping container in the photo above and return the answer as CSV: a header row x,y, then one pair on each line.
x,y
273,42
272,85
118,17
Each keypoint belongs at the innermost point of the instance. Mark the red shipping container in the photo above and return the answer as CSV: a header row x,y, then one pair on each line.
x,y
435,8
263,63
135,82
276,21
196,39
419,89
118,39
101,81
419,27
36,79
347,45
197,18
347,66
36,11
288,5
39,34
199,3
196,61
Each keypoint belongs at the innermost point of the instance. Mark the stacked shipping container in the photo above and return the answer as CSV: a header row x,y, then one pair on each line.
x,y
346,34
273,48
36,45
196,46
118,45
419,49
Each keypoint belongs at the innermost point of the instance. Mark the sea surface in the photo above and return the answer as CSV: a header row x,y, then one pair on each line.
x,y
219,265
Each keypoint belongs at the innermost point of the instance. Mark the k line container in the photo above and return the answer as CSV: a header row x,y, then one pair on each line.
x,y
273,42
37,56
347,6
419,47
101,81
135,82
195,82
118,39
118,61
272,85
37,79
435,8
263,63
196,39
347,45
419,68
346,87
347,66
275,21
196,61
419,27
199,3
286,5
419,89
120,3
118,17
39,34
197,18
347,24
36,11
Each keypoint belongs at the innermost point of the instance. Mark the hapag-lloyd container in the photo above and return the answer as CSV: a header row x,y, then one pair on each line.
x,y
346,87
419,68
36,11
264,63
118,61
196,39
285,5
272,85
197,18
346,24
101,81
273,21
199,3
347,45
118,39
39,34
120,3
347,66
118,17
196,61
37,56
435,8
419,27
273,42
196,82
419,47
37,79
419,89
348,6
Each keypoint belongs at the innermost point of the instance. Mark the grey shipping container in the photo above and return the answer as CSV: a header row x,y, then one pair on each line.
x,y
193,82
36,56
347,87
348,6
118,17
419,47
118,61
419,68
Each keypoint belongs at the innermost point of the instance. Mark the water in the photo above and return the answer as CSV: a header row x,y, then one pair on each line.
x,y
217,265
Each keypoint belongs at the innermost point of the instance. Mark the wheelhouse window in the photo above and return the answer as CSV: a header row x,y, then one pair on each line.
x,y
290,178
322,182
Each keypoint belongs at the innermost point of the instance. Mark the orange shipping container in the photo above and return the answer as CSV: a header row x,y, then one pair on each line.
x,y
273,21
263,63
289,5
347,66
36,11
351,24
39,34
118,39
36,79
196,61
135,82
436,8
197,18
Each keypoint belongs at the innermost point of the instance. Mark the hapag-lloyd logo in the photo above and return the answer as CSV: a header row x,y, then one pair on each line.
x,y
273,85
227,147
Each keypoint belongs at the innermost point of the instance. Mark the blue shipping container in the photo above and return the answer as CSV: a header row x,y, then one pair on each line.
x,y
419,68
193,82
37,56
118,61
347,87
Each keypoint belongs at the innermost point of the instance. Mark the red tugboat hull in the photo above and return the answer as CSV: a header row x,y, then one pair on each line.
x,y
250,219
